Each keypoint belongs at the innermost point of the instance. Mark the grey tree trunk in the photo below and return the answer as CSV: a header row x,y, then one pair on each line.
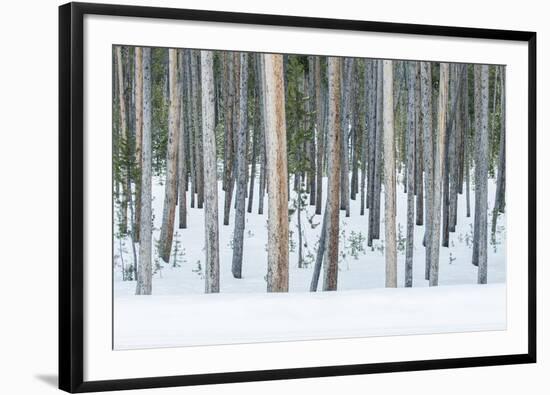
x,y
500,201
439,157
169,209
334,132
476,145
276,155
483,173
389,176
427,122
346,119
418,150
260,78
367,93
411,133
182,154
199,163
228,135
255,133
138,81
319,105
379,151
320,254
240,197
212,265
145,272
123,138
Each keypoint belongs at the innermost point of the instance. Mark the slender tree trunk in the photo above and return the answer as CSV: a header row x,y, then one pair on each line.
x,y
344,154
260,86
319,105
476,146
330,279
411,133
389,176
439,157
311,105
182,153
379,151
138,71
367,94
170,191
481,182
145,272
427,123
228,135
500,201
277,255
418,149
212,265
255,133
321,249
240,197
199,163
123,139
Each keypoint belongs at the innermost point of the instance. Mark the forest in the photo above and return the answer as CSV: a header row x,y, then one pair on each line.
x,y
253,172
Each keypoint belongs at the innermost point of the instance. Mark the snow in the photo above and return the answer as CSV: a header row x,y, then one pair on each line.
x,y
364,309
185,320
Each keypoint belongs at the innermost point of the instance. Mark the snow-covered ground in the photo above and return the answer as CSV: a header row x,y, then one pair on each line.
x,y
163,319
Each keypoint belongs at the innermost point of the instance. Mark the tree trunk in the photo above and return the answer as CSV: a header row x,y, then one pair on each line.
x,y
123,139
199,163
145,272
483,174
500,201
330,280
389,176
476,146
240,197
212,266
228,135
439,157
182,153
260,87
367,126
138,71
426,91
411,133
418,150
170,190
275,132
319,106
344,154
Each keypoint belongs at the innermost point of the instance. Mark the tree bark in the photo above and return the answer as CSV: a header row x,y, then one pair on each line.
x,y
145,273
411,146
138,72
319,105
182,153
277,256
389,176
212,265
439,157
330,279
427,123
228,135
240,197
170,190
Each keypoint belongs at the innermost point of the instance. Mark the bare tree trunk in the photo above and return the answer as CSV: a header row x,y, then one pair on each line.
x,y
427,123
319,106
170,191
439,157
321,249
389,177
418,150
240,197
330,279
476,145
145,272
483,173
138,71
228,135
411,132
182,153
260,86
379,151
311,93
199,165
367,126
212,265
344,154
255,133
123,138
277,256
500,201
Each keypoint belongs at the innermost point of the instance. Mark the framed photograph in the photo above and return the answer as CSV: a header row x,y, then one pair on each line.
x,y
253,197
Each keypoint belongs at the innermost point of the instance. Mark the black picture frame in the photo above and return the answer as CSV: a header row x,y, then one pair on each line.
x,y
71,197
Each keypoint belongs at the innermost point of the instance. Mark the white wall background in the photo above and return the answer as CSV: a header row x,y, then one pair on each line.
x,y
28,196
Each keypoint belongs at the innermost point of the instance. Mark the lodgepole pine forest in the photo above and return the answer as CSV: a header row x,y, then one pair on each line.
x,y
252,172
